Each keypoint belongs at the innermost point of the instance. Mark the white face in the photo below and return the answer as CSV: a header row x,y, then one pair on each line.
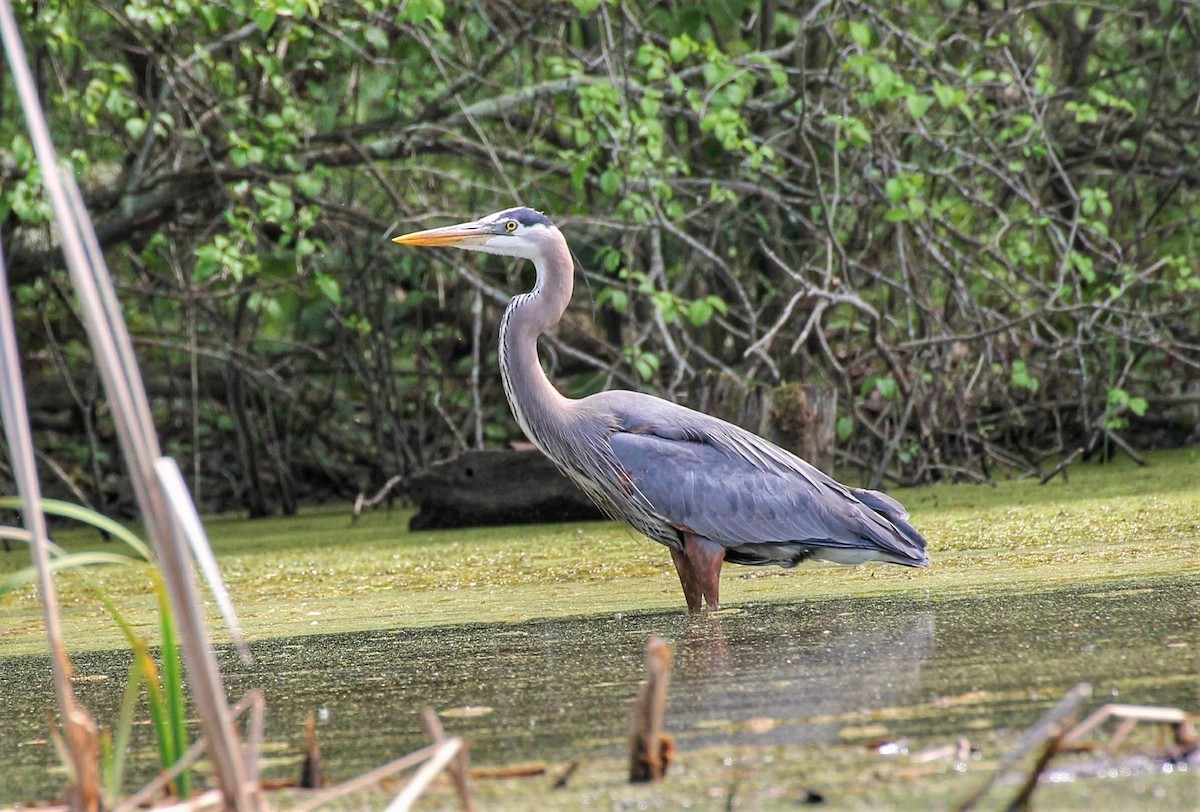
x,y
509,238
494,234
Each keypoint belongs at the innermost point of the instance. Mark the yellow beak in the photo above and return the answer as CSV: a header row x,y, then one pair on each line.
x,y
461,234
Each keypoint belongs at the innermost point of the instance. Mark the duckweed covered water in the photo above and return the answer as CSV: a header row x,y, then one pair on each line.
x,y
846,673
530,642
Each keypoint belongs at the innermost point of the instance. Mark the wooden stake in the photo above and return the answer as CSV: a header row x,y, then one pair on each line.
x,y
650,749
312,773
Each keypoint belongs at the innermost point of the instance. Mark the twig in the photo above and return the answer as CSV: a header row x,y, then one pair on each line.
x,y
1064,465
364,502
1182,725
1021,801
510,771
561,781
212,799
1126,447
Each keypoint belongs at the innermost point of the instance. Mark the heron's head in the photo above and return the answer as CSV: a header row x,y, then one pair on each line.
x,y
518,232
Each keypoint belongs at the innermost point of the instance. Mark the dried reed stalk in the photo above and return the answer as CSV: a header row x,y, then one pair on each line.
x,y
460,767
366,779
446,751
79,730
135,429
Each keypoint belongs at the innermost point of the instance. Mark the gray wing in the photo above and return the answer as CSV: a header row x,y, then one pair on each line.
x,y
728,485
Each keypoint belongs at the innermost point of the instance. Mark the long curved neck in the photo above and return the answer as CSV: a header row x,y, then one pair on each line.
x,y
536,404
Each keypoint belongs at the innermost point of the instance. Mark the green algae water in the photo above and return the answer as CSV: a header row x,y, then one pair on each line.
x,y
530,642
847,673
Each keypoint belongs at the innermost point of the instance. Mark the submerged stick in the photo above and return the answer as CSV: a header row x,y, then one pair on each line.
x,y
363,501
1052,724
650,749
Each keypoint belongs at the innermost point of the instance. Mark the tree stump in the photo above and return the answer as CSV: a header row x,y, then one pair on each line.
x,y
801,418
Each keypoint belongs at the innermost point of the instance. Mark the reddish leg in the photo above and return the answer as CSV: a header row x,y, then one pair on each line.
x,y
705,558
687,579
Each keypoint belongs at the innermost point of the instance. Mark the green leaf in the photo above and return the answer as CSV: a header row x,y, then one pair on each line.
x,y
947,96
83,515
860,32
610,182
699,312
1138,406
420,11
136,127
579,171
28,575
329,288
309,185
376,37
845,428
263,18
680,48
1022,378
1084,265
918,104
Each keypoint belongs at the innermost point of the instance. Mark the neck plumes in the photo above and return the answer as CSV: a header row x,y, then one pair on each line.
x,y
535,402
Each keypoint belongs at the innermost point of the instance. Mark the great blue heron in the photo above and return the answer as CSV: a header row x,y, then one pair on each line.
x,y
707,489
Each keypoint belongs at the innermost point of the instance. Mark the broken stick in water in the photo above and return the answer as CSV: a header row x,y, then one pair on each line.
x,y
312,772
1052,725
1181,724
650,749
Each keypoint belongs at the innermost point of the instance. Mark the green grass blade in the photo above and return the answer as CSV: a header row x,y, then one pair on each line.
x,y
114,774
69,510
28,575
172,677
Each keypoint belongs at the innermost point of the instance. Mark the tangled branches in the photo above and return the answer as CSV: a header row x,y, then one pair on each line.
x,y
975,222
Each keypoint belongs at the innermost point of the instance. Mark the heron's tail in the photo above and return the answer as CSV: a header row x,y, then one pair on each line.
x,y
909,541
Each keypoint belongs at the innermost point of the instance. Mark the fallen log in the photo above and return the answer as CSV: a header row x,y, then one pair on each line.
x,y
496,487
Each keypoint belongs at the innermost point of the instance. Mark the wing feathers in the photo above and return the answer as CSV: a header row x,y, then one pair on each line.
x,y
733,487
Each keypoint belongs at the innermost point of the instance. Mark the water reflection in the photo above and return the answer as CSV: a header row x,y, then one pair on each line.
x,y
774,676
764,674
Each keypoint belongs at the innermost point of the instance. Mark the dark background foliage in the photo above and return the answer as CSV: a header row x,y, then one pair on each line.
x,y
976,220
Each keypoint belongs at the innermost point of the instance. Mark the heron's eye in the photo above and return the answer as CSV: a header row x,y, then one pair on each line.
x,y
511,225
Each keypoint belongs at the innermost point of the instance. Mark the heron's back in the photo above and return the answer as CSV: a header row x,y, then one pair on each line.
x,y
668,470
